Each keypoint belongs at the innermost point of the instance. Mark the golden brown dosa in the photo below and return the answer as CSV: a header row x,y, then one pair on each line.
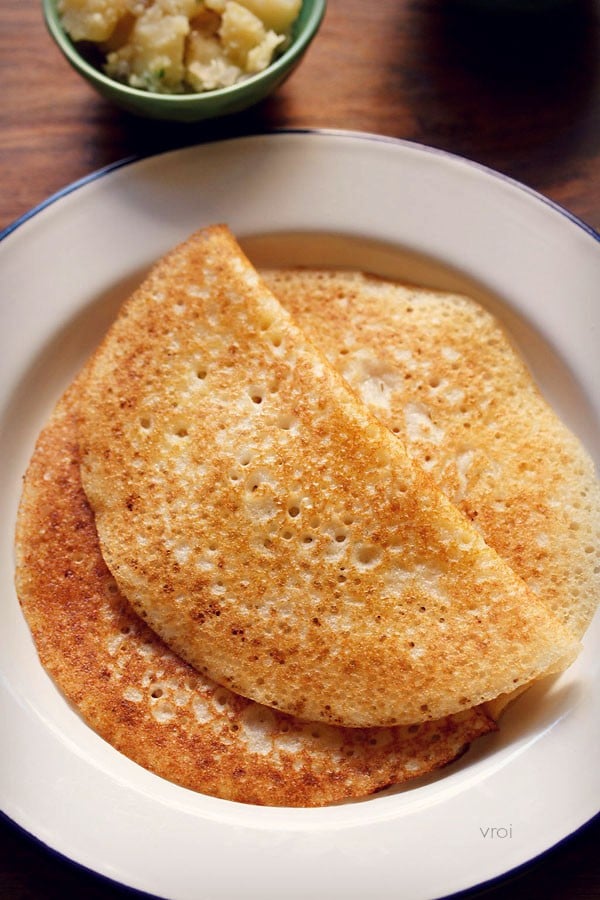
x,y
272,530
440,372
158,710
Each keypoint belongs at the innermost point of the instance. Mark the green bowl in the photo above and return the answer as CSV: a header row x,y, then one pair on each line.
x,y
195,106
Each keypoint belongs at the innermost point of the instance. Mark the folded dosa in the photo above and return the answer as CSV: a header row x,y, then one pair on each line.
x,y
271,530
154,707
440,372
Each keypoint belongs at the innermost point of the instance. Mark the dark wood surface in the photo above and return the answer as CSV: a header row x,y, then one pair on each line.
x,y
516,90
520,93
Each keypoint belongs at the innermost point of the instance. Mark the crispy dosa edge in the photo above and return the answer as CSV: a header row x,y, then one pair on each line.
x,y
156,709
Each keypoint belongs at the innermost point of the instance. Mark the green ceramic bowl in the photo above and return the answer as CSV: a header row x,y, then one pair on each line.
x,y
193,107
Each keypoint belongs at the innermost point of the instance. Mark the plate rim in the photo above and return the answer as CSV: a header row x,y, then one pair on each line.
x,y
101,171
474,891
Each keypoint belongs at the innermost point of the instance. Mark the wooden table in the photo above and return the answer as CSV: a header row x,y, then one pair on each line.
x,y
519,92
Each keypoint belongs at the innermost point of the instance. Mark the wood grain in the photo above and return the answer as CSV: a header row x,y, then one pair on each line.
x,y
517,91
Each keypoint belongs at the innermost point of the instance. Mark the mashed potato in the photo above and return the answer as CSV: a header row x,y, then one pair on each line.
x,y
177,46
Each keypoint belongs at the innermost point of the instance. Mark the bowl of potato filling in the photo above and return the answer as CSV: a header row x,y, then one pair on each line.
x,y
184,60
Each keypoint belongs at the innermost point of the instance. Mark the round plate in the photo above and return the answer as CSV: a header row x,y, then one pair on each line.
x,y
330,199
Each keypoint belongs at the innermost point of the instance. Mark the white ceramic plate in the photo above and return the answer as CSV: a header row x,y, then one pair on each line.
x,y
397,209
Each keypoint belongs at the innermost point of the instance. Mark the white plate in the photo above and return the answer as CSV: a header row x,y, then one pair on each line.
x,y
397,209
